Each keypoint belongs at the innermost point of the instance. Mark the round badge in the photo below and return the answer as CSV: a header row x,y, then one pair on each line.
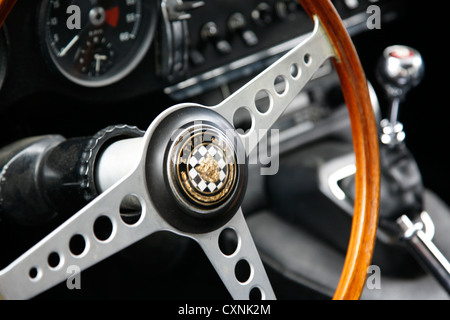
x,y
204,167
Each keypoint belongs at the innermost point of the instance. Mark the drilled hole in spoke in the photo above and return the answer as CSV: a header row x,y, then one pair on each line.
x,y
280,85
294,71
130,209
243,271
263,101
54,260
242,120
307,59
77,245
103,228
33,273
256,294
228,241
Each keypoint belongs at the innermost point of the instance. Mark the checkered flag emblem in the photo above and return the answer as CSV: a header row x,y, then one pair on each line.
x,y
213,159
204,168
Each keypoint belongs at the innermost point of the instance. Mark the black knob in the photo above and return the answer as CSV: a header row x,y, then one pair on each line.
x,y
210,33
238,24
262,14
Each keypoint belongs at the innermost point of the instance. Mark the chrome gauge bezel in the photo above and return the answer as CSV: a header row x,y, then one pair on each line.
x,y
143,42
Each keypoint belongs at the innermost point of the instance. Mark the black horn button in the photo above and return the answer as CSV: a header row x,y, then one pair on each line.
x,y
196,170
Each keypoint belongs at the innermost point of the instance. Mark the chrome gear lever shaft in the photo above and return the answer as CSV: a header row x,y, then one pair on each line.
x,y
400,69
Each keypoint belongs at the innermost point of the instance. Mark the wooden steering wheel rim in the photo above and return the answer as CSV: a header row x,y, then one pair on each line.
x,y
365,144
365,141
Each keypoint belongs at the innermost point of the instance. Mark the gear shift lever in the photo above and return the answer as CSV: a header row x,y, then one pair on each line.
x,y
399,70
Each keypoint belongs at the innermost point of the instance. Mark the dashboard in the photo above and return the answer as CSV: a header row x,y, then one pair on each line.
x,y
82,60
75,67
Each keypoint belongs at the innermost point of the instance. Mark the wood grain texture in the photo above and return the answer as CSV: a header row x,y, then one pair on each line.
x,y
365,142
5,8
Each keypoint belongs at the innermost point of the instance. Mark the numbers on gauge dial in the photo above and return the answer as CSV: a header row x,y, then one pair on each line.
x,y
100,39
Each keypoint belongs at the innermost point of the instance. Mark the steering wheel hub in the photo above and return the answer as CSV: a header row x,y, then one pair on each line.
x,y
202,161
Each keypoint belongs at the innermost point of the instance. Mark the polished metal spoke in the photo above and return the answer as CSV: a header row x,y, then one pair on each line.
x,y
241,270
77,242
264,99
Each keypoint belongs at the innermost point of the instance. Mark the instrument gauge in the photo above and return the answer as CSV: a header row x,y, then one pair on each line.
x,y
96,43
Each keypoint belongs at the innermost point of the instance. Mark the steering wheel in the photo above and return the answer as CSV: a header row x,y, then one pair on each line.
x,y
188,175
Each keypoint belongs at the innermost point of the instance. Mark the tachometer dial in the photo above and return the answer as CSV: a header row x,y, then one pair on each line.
x,y
96,42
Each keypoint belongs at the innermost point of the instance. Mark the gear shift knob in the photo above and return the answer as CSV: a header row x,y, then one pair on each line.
x,y
400,69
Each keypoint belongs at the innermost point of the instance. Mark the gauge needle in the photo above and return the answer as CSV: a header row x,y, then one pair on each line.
x,y
98,58
66,49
